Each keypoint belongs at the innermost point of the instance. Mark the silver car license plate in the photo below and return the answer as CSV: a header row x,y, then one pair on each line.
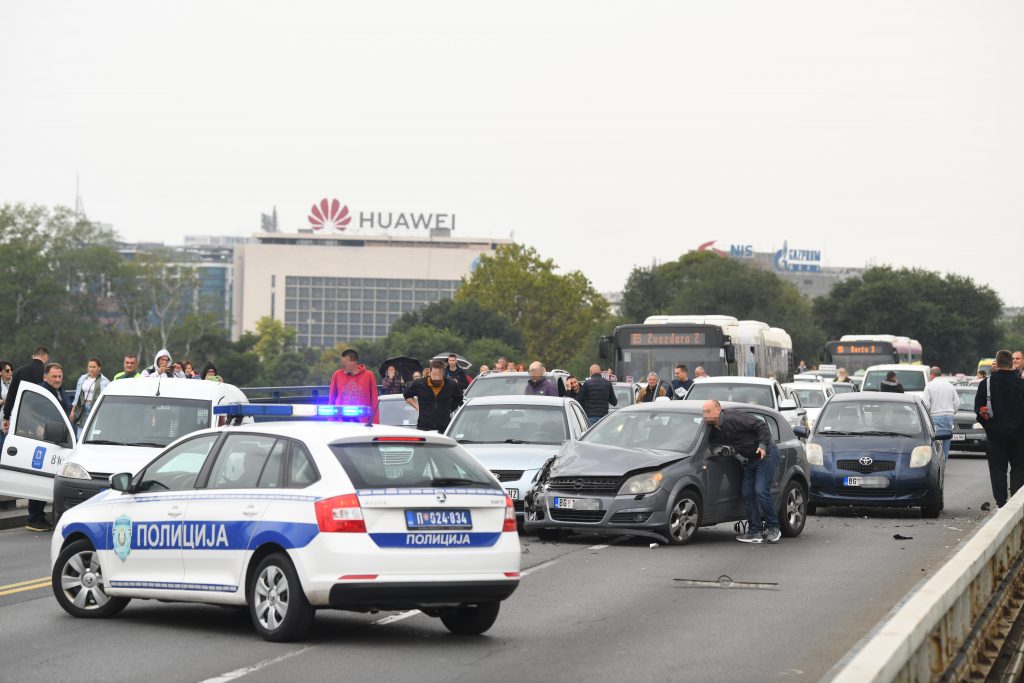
x,y
577,503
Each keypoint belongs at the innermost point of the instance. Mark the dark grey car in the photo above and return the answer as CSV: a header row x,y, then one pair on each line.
x,y
648,470
968,434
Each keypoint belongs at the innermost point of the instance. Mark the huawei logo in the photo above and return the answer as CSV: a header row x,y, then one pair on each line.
x,y
329,214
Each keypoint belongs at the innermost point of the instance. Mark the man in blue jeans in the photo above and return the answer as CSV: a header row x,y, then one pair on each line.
x,y
752,440
942,402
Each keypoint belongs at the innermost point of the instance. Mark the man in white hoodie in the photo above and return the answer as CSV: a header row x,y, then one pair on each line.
x,y
942,402
162,365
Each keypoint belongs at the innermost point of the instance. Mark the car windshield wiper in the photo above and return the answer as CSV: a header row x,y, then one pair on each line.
x,y
456,481
829,432
882,433
104,442
468,441
515,441
152,444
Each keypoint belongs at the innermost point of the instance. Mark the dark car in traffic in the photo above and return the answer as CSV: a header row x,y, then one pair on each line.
x,y
968,434
876,449
649,470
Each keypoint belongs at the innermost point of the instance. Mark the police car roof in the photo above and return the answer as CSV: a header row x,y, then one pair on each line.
x,y
733,379
507,399
175,387
336,432
874,397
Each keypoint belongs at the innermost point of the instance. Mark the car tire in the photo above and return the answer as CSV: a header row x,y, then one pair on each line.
x,y
932,508
471,620
278,606
78,583
793,511
684,518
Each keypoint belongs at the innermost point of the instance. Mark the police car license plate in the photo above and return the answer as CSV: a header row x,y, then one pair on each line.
x,y
417,520
513,493
959,437
577,503
866,482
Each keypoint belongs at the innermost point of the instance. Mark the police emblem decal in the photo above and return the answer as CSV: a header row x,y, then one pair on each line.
x,y
122,532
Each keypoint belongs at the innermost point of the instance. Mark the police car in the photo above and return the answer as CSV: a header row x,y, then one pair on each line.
x,y
290,517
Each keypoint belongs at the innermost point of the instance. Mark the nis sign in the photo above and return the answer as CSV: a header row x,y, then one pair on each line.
x,y
332,215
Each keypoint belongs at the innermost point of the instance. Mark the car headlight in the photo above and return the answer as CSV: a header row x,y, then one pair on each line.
x,y
72,470
648,482
815,456
920,456
976,425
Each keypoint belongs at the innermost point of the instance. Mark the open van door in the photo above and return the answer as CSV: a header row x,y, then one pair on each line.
x,y
39,441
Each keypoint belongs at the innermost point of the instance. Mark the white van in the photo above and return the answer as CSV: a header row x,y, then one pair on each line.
x,y
914,378
130,423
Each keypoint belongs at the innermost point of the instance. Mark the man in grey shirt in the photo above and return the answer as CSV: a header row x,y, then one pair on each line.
x,y
942,402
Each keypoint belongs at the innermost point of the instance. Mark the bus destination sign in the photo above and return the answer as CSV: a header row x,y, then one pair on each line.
x,y
668,339
858,348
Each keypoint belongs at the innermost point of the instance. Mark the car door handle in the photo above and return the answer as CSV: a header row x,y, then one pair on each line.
x,y
250,511
174,511
12,451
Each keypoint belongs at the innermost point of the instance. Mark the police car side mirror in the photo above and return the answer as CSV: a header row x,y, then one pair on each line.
x,y
121,481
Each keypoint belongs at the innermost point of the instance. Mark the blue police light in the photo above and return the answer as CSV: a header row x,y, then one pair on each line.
x,y
289,410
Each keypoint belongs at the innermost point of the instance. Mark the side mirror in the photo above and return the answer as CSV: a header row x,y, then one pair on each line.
x,y
121,481
604,348
730,353
801,431
787,404
55,431
943,434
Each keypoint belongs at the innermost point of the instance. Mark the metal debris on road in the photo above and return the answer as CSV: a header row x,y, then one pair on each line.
x,y
725,581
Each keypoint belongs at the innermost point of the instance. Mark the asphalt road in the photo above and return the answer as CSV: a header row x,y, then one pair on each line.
x,y
589,608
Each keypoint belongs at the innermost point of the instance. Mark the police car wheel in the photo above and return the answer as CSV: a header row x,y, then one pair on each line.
x,y
471,620
278,606
79,586
793,511
684,518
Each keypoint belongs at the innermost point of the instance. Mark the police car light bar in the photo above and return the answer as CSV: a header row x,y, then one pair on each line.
x,y
290,410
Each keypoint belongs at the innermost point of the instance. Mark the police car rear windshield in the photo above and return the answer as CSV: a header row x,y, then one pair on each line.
x,y
148,421
411,465
670,431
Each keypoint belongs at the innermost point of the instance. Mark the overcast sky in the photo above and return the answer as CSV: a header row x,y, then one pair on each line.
x,y
604,134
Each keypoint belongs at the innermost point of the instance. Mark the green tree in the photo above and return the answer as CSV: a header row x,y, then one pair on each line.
x,y
273,338
1012,333
485,351
955,320
704,283
422,342
553,311
467,318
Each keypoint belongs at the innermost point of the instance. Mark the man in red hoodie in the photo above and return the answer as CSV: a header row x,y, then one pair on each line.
x,y
354,385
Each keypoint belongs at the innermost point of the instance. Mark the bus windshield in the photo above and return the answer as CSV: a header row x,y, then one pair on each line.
x,y
637,362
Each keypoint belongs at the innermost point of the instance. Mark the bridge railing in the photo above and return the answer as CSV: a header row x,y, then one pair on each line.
x,y
292,394
953,625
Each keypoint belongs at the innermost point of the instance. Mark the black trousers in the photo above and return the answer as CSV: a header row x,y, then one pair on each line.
x,y
36,511
1003,452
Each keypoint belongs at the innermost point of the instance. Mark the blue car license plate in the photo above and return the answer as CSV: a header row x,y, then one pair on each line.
x,y
418,520
866,482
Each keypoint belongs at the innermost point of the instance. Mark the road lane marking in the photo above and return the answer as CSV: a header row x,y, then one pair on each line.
x,y
24,583
22,589
245,670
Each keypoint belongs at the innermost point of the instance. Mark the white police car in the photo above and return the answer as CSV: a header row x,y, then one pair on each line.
x,y
290,517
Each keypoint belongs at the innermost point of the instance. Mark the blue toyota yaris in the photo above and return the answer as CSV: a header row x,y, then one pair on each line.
x,y
876,449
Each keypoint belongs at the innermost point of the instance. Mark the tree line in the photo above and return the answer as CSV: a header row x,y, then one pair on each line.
x,y
68,287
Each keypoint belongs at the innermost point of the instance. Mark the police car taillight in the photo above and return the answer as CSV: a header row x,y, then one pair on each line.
x,y
341,514
510,516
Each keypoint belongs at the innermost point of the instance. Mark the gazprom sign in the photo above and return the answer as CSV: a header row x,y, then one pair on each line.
x,y
797,260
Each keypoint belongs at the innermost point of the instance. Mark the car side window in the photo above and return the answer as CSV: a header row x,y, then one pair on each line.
x,y
273,472
178,468
241,461
301,470
34,413
772,425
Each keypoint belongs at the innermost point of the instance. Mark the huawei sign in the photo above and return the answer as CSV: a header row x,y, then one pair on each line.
x,y
329,214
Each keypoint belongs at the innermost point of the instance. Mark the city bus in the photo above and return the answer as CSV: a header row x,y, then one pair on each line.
x,y
860,351
721,344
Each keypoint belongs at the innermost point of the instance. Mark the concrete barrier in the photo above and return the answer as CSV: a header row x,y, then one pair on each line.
x,y
950,626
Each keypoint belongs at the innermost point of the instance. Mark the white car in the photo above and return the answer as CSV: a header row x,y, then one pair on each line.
x,y
289,517
759,391
914,378
813,396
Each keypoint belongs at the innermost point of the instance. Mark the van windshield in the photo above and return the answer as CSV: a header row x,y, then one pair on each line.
x,y
146,420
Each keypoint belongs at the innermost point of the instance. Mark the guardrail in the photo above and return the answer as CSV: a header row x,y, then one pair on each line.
x,y
952,626
293,394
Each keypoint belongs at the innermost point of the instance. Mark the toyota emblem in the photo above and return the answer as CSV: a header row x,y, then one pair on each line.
x,y
578,484
441,497
866,460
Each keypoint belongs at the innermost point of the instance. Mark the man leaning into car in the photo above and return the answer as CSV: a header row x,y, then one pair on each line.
x,y
752,440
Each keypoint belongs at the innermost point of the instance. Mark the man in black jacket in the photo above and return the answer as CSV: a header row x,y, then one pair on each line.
x,y
434,397
890,383
752,440
31,373
596,394
999,405
455,372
